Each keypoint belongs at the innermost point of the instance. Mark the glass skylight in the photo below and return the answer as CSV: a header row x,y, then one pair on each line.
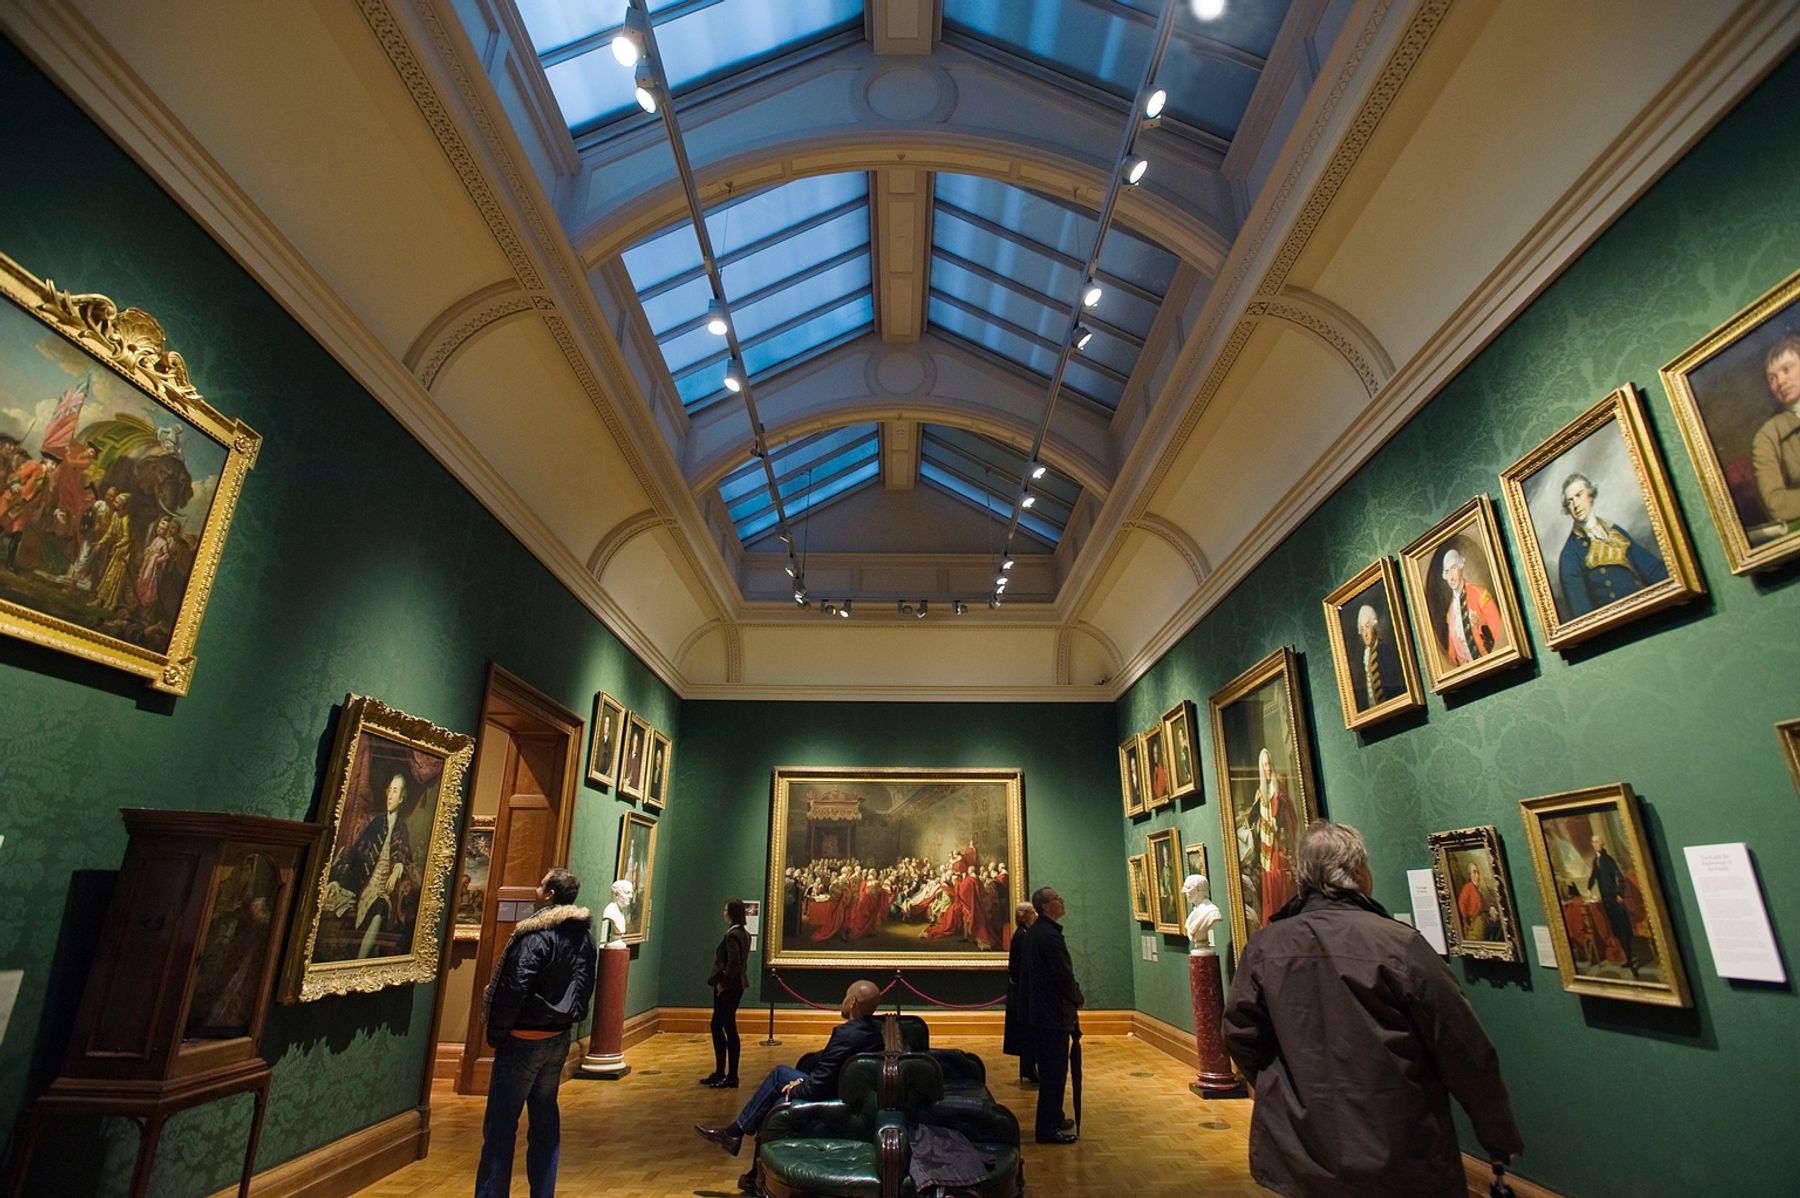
x,y
702,41
810,471
795,260
986,474
1006,266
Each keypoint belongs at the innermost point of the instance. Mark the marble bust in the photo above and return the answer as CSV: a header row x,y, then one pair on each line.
x,y
1202,913
614,919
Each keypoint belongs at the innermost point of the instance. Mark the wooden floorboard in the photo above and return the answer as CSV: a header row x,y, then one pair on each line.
x,y
1141,1130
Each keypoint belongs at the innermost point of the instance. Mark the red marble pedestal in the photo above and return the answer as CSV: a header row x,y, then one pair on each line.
x,y
606,1044
1207,988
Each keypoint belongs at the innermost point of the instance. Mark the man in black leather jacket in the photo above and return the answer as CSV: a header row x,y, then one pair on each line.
x,y
540,989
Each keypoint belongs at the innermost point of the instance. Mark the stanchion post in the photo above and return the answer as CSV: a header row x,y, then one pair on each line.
x,y
771,1042
897,1010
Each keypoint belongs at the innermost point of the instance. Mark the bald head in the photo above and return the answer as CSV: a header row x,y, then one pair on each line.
x,y
861,999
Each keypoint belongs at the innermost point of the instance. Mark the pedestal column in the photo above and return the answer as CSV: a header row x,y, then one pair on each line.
x,y
606,1044
1207,989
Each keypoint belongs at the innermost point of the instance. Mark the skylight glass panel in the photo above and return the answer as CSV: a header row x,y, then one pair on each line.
x,y
988,473
795,262
809,471
701,41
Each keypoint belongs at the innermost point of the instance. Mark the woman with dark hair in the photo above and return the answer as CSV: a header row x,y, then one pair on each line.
x,y
728,981
1018,1036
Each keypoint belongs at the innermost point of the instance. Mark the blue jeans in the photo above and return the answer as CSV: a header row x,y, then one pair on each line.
x,y
768,1096
525,1072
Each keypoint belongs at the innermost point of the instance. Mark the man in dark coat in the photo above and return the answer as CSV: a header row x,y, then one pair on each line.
x,y
1608,881
540,989
1355,1034
1052,999
859,1033
1017,1041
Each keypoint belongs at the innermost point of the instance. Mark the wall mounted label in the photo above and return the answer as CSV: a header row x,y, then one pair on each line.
x,y
752,919
1148,947
1546,948
1425,909
1731,907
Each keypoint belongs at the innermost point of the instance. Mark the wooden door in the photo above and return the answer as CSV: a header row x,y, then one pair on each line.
x,y
530,836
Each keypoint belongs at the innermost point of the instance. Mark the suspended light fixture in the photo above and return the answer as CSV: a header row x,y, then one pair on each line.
x,y
645,92
718,320
791,571
734,383
920,613
628,43
958,606
1000,581
1038,470
1028,501
1154,105
994,603
1208,10
800,596
1134,173
844,611
1083,335
1092,294
1007,564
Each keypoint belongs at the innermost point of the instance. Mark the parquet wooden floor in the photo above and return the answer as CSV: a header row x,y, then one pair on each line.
x,y
1141,1131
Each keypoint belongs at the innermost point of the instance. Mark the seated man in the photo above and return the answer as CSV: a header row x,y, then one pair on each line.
x,y
859,1033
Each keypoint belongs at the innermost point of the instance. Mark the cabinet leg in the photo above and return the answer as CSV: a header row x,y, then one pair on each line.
x,y
21,1165
146,1159
261,1097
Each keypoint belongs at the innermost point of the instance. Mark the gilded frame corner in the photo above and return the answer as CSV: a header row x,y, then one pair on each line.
x,y
304,979
1624,405
1620,798
605,773
779,955
1475,518
1412,696
1182,715
1743,557
132,345
1509,945
1172,837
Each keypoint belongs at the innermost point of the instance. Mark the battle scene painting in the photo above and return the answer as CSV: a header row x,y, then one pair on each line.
x,y
901,867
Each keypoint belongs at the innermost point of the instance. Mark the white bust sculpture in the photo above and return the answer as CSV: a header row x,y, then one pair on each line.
x,y
614,919
1202,913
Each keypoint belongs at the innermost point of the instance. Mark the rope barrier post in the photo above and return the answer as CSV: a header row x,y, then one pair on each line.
x,y
771,1042
896,991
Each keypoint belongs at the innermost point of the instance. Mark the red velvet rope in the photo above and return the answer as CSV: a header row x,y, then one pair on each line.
x,y
954,1006
822,1006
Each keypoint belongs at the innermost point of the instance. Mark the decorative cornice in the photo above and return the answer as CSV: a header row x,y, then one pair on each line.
x,y
812,693
1334,327
458,324
616,539
1177,539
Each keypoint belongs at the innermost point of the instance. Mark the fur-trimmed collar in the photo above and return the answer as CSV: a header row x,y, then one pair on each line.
x,y
549,917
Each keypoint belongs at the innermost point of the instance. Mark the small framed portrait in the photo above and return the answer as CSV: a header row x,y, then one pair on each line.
x,y
1131,775
1181,748
636,864
1156,768
1139,866
608,739
656,782
1168,907
1195,856
1736,396
472,879
1789,732
634,757
1598,528
1266,789
1371,650
1462,598
368,915
1598,880
1473,890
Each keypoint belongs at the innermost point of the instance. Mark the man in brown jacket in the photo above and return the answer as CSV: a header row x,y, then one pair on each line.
x,y
1355,1035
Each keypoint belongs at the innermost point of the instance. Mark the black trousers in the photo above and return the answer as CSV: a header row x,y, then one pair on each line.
x,y
1052,1051
724,1031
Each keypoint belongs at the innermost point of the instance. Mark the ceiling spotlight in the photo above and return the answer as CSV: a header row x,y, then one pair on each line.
x,y
1083,335
920,613
844,611
1028,501
1007,564
800,596
958,606
1038,470
1208,10
994,603
1134,172
1158,100
645,78
1000,581
1092,295
787,536
734,378
716,322
791,572
628,43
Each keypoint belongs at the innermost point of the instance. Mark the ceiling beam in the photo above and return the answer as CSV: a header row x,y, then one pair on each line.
x,y
901,27
900,454
900,224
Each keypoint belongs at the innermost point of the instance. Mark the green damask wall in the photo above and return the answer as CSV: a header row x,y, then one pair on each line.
x,y
715,838
1614,1098
356,563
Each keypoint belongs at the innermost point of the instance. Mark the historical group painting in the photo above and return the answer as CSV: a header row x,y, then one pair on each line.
x,y
1473,890
1599,885
1601,538
117,483
1737,397
1266,788
1462,597
1371,652
901,867
369,918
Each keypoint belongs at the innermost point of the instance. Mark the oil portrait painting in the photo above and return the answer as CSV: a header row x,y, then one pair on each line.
x,y
1470,875
1462,598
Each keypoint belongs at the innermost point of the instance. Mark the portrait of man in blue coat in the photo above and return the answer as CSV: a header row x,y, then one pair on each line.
x,y
1600,562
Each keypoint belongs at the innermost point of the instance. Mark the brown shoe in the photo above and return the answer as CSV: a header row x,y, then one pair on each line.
x,y
724,1137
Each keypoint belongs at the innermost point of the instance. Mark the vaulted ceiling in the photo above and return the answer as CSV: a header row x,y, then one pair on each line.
x,y
1346,199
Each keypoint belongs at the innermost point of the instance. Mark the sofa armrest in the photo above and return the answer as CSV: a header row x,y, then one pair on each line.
x,y
988,1123
829,1119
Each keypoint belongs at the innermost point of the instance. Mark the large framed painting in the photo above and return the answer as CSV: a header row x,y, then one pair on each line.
x,y
1608,922
1156,768
369,915
1138,866
1737,399
636,864
472,879
1267,795
1462,598
894,867
1371,651
1131,775
634,757
1789,732
1181,748
656,779
1470,872
1167,903
1599,532
117,483
603,749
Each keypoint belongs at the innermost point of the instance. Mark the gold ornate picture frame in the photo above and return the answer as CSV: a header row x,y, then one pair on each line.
x,y
1736,395
1789,733
1181,748
1371,649
656,774
1468,866
1194,857
607,740
1465,544
893,867
1267,793
1132,785
1154,753
634,757
636,863
473,870
1168,906
1594,500
117,486
1598,880
392,801
1138,868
